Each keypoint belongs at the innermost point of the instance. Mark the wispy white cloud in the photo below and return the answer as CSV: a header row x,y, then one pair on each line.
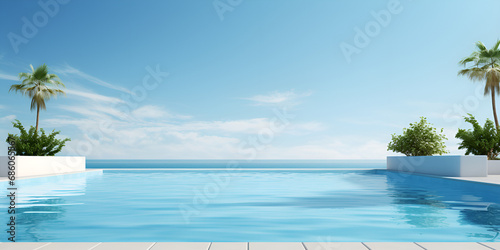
x,y
7,118
233,126
84,111
278,98
152,132
356,121
156,112
160,143
68,70
94,97
151,144
8,77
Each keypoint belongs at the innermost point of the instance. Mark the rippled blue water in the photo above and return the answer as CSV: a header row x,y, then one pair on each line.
x,y
253,205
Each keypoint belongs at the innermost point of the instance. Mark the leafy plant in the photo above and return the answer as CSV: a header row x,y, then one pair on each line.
x,y
481,140
36,143
418,140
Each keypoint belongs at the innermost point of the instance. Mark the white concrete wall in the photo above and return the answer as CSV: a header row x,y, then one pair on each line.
x,y
445,165
494,167
43,165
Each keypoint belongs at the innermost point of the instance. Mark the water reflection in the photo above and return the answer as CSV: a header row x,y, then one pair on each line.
x,y
31,217
420,208
425,199
489,218
43,201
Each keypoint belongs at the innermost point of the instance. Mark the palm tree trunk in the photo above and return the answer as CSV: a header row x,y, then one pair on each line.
x,y
494,107
38,116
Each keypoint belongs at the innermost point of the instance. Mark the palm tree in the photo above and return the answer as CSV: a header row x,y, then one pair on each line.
x,y
39,85
486,66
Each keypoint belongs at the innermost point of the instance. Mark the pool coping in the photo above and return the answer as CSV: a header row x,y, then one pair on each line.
x,y
48,175
251,245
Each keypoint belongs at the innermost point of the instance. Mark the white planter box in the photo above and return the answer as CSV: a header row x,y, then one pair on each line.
x,y
43,165
494,167
445,165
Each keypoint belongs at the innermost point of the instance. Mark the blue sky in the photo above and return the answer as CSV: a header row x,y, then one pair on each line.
x,y
225,72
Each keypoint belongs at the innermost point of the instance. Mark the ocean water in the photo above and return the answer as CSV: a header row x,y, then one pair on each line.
x,y
244,164
249,204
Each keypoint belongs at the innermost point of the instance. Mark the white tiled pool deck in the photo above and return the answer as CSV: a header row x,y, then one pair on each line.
x,y
491,179
253,246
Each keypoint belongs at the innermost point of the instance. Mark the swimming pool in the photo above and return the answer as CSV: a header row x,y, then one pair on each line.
x,y
253,205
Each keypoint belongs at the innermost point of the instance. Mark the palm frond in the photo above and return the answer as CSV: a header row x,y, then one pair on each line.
x,y
33,104
17,87
486,90
480,45
469,59
497,45
474,74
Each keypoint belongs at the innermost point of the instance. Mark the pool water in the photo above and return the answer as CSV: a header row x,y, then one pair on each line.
x,y
253,205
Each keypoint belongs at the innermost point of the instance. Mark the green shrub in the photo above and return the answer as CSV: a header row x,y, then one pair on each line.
x,y
420,139
36,143
481,140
